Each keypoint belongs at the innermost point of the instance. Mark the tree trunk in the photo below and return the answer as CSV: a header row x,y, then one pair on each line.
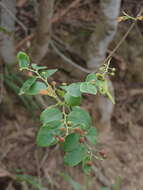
x,y
96,52
104,33
7,14
43,30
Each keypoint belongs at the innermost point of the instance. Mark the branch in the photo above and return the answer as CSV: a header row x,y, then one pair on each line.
x,y
124,37
58,16
68,60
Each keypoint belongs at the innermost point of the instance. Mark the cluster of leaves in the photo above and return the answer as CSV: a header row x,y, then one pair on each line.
x,y
65,122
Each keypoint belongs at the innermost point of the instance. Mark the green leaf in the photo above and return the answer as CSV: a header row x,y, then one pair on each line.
x,y
92,139
91,135
103,89
79,117
45,137
54,124
60,92
74,89
103,86
27,84
110,97
30,180
73,183
76,156
71,142
92,131
23,60
89,88
91,77
64,87
37,67
36,88
50,115
71,100
48,73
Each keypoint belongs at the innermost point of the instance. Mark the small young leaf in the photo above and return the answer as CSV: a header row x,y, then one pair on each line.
x,y
76,156
60,92
50,115
74,89
103,89
91,77
71,142
45,137
71,100
111,97
27,84
46,74
79,117
23,60
89,88
103,86
37,67
36,88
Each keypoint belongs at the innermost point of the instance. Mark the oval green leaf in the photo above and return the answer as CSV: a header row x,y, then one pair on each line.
x,y
71,100
74,89
50,115
27,84
91,77
79,117
76,156
45,137
36,88
71,142
87,87
46,74
23,60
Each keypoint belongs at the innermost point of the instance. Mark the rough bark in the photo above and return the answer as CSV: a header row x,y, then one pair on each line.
x,y
7,8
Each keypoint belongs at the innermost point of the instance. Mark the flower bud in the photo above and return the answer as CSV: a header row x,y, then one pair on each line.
x,y
89,163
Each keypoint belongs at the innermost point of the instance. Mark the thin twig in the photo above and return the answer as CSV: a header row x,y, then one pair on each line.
x,y
65,11
22,42
123,38
68,60
101,177
38,166
135,92
1,87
